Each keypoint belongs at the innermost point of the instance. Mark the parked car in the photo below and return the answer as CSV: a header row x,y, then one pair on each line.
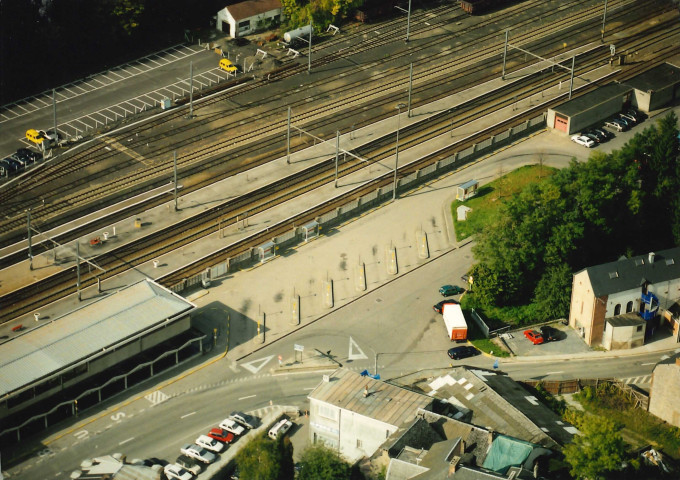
x,y
535,337
189,464
243,419
175,471
7,168
626,121
448,290
548,333
593,137
280,428
616,125
629,118
221,435
209,444
200,454
28,154
583,140
439,307
639,116
465,351
231,426
604,133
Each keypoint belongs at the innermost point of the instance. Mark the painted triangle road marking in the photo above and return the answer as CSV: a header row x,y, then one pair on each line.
x,y
256,365
234,367
353,348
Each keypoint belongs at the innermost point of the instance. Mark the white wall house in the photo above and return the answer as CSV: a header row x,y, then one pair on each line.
x,y
356,414
246,17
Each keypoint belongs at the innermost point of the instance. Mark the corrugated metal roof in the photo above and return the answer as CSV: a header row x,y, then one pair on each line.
x,y
386,403
250,8
77,335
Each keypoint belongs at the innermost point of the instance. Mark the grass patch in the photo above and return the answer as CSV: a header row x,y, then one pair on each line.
x,y
477,338
486,204
640,428
518,315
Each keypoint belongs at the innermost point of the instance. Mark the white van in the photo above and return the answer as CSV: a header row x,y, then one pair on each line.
x,y
280,429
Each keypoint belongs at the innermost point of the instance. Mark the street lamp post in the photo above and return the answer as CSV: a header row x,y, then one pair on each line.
x,y
396,156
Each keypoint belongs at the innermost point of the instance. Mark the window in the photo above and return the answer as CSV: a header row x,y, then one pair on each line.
x,y
639,328
629,307
329,412
244,25
617,309
359,443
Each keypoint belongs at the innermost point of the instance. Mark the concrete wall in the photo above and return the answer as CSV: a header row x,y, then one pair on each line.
x,y
352,434
641,100
582,305
665,392
621,299
595,114
624,337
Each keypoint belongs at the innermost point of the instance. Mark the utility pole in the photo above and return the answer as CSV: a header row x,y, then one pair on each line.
x,y
191,89
78,268
408,20
505,54
30,251
604,19
288,139
174,161
396,156
54,109
309,55
337,152
410,86
571,81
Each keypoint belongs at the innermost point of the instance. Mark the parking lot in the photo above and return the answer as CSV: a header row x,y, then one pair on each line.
x,y
567,342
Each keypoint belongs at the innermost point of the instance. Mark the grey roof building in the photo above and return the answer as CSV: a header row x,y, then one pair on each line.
x,y
643,284
355,414
61,353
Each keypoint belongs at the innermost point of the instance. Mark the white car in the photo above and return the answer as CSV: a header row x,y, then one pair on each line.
x,y
231,426
583,140
209,444
175,471
243,419
201,454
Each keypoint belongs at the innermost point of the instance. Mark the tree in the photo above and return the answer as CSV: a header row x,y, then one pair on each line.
x,y
319,462
264,459
598,452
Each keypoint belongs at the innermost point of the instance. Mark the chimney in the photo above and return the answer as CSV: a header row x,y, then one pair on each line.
x,y
651,257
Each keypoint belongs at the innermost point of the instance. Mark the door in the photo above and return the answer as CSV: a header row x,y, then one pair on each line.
x,y
561,123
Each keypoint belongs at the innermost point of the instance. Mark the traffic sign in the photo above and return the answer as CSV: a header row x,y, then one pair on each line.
x,y
299,348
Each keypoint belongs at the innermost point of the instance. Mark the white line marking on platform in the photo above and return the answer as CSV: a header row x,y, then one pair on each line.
x,y
187,415
128,440
355,356
648,363
256,365
554,373
309,388
249,396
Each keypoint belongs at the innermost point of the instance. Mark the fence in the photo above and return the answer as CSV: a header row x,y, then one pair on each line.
x,y
562,387
368,201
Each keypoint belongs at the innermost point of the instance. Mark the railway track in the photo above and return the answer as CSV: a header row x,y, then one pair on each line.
x,y
197,227
216,155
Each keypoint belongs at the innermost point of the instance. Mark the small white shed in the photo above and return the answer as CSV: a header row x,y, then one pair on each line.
x,y
624,331
467,190
462,212
246,17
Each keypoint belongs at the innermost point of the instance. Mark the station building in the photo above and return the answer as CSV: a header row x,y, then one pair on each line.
x,y
90,354
246,17
649,91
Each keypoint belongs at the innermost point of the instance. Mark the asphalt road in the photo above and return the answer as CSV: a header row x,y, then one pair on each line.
x,y
396,322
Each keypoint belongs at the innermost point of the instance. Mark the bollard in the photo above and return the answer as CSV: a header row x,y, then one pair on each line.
x,y
138,223
114,231
36,315
155,264
106,236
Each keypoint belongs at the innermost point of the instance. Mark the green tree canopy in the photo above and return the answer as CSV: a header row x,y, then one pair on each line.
x,y
585,214
266,459
598,452
321,12
319,462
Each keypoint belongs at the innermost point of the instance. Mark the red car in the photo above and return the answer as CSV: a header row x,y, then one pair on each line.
x,y
221,435
535,337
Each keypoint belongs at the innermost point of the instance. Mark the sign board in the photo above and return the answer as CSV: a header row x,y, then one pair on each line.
x,y
299,348
612,49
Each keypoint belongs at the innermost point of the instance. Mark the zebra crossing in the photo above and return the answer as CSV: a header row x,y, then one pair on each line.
x,y
156,397
639,380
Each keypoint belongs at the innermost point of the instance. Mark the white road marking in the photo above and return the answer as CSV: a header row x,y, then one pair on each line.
x,y
554,373
126,441
648,363
309,388
187,415
156,397
249,396
355,356
256,365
